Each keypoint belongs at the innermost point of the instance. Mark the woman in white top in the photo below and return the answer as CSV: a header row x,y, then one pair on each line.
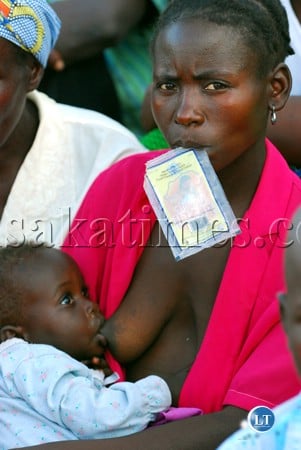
x,y
49,153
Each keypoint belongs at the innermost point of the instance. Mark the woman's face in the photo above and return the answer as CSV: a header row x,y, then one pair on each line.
x,y
14,81
207,92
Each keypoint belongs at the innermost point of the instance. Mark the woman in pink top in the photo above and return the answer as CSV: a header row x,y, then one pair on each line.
x,y
209,324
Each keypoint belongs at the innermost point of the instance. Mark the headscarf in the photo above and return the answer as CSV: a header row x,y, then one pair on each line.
x,y
30,24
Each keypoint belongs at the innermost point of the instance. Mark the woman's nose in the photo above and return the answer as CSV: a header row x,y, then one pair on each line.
x,y
189,110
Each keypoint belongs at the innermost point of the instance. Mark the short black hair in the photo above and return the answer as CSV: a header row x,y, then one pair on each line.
x,y
263,24
12,259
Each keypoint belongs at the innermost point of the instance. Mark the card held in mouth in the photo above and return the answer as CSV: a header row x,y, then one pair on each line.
x,y
189,201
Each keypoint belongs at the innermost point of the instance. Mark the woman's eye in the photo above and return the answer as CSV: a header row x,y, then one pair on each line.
x,y
168,86
215,86
66,300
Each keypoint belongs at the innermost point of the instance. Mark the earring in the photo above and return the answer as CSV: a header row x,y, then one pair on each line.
x,y
273,115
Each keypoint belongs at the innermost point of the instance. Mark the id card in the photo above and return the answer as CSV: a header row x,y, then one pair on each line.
x,y
189,201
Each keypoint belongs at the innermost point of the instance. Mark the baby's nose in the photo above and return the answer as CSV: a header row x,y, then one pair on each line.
x,y
90,307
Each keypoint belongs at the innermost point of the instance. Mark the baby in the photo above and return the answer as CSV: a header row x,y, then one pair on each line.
x,y
48,326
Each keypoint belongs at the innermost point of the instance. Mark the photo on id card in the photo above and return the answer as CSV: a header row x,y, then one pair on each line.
x,y
189,201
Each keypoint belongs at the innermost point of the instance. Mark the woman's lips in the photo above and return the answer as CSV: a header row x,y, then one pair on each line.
x,y
188,144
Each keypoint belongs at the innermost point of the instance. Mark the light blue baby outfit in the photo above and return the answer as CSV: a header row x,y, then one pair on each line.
x,y
46,396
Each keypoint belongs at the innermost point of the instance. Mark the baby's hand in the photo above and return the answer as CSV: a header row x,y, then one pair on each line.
x,y
98,363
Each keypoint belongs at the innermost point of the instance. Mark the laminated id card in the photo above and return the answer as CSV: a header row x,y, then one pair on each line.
x,y
189,201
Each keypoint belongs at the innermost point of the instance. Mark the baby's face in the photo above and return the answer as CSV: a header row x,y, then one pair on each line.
x,y
58,310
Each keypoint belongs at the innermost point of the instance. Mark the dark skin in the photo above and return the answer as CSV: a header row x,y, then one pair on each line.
x,y
18,116
285,133
206,93
91,26
57,309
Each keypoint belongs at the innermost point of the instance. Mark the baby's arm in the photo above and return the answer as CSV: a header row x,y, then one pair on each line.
x,y
70,395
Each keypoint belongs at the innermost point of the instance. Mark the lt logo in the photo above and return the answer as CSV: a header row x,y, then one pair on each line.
x,y
261,419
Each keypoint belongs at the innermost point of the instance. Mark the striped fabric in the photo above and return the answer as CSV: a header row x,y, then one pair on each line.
x,y
130,67
31,25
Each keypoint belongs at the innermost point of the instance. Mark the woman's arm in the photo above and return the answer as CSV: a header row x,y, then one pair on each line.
x,y
201,432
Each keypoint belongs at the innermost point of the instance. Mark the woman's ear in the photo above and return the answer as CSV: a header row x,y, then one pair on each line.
x,y
35,75
11,331
280,85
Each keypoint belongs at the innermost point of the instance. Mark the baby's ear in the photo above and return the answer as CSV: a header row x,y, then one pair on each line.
x,y
10,331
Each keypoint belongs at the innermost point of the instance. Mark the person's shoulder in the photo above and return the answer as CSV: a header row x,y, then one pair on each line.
x,y
33,352
20,351
12,345
75,114
27,349
76,117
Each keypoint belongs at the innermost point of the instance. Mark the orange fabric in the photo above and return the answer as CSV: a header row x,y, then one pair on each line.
x,y
4,8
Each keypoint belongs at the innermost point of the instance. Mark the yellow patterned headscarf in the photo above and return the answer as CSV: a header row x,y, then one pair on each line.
x,y
30,24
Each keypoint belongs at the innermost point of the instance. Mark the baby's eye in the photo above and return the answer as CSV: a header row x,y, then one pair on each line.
x,y
215,86
66,300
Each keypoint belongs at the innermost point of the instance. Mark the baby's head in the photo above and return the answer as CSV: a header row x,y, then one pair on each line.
x,y
43,299
291,302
